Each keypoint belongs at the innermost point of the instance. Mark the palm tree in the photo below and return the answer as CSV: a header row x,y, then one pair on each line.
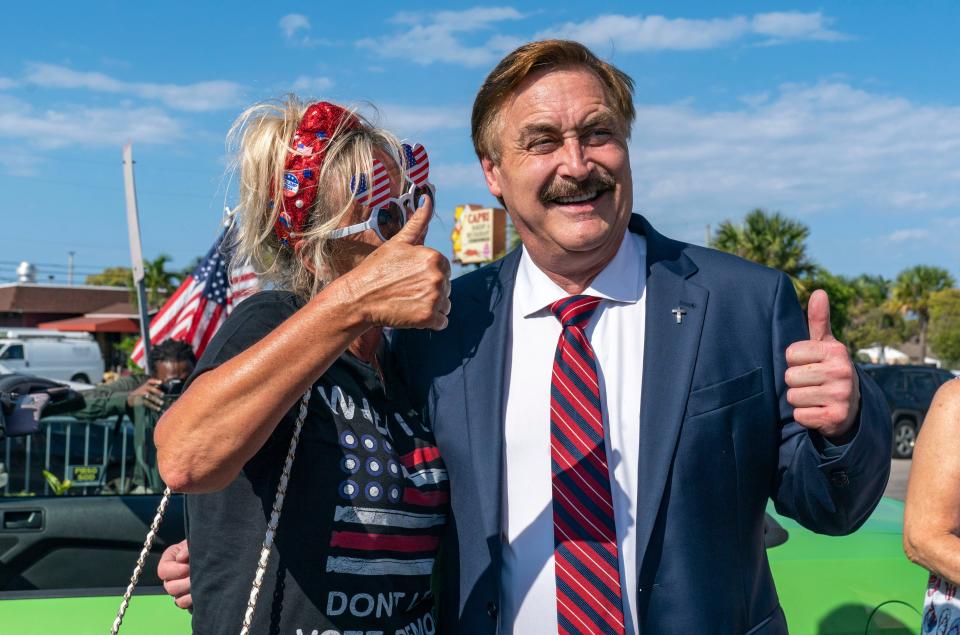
x,y
770,239
911,294
160,283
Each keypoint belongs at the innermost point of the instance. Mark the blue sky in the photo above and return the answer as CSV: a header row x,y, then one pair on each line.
x,y
845,115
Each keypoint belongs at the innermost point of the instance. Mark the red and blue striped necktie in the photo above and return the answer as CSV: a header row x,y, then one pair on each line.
x,y
584,530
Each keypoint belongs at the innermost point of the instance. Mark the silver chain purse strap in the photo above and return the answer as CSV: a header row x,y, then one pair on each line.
x,y
274,517
147,545
267,540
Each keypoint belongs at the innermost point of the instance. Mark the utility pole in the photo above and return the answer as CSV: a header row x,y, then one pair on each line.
x,y
70,255
136,254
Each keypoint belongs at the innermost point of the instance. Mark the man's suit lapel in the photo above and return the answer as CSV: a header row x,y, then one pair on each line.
x,y
485,339
670,353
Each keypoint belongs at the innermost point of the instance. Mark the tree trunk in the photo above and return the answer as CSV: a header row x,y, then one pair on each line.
x,y
923,340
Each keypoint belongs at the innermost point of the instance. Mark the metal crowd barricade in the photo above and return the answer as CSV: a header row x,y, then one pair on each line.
x,y
92,455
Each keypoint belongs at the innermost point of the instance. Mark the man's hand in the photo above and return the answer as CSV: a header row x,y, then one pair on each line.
x,y
822,383
402,283
174,570
149,394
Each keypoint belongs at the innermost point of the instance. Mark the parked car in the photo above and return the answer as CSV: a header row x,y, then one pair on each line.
x,y
45,353
69,522
909,391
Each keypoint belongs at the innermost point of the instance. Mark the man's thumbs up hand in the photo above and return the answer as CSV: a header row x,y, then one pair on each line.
x,y
822,383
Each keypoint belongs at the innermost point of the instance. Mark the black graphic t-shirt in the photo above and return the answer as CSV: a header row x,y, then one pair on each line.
x,y
366,503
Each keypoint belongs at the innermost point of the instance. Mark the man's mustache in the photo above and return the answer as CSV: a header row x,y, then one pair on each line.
x,y
600,180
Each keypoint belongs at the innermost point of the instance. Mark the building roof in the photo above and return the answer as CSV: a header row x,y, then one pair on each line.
x,y
56,298
94,325
117,309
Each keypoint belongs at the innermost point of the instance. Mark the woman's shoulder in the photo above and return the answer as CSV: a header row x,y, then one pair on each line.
x,y
248,323
278,299
948,396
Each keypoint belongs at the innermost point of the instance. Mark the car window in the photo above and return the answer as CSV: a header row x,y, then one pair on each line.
x,y
894,382
14,351
922,384
944,376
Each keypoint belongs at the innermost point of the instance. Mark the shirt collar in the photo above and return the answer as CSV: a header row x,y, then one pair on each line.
x,y
622,280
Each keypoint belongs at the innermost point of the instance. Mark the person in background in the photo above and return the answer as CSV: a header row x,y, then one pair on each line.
x,y
143,399
931,529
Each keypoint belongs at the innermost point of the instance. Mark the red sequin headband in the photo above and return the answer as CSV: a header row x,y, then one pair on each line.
x,y
301,170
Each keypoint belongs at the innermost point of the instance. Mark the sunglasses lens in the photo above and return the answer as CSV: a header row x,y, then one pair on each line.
x,y
390,219
418,192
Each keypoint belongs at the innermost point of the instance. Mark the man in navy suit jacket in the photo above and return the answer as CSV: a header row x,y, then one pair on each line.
x,y
739,403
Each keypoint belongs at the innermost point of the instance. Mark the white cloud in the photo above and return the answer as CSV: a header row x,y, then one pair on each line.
x,y
794,25
905,235
656,32
828,147
6,82
296,30
197,97
413,120
292,23
439,37
67,126
460,37
312,85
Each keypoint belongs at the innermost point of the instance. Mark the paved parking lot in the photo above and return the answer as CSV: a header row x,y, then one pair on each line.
x,y
899,471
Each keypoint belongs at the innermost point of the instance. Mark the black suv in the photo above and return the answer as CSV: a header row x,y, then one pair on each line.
x,y
909,391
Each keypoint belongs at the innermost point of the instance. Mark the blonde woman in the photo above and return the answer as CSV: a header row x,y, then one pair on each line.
x,y
931,534
334,212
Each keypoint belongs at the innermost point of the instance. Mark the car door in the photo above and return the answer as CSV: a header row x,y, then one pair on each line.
x,y
12,357
69,518
922,385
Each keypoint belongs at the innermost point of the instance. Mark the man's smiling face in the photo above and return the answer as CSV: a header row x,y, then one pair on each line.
x,y
564,170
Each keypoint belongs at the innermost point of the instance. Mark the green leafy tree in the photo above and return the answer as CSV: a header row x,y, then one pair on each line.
x,y
945,325
112,277
911,294
842,295
160,283
773,240
872,322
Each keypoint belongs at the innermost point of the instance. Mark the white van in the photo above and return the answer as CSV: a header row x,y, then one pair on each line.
x,y
51,354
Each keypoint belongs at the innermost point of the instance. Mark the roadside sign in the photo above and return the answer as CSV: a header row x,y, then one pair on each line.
x,y
479,234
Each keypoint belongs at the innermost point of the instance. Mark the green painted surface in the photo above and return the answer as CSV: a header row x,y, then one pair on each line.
x,y
831,585
827,586
147,615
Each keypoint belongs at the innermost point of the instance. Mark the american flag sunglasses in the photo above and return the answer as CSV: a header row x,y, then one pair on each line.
x,y
389,214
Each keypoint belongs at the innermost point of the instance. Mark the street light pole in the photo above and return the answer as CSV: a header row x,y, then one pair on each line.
x,y
136,253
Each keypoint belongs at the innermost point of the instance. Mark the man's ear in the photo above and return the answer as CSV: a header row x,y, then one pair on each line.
x,y
491,172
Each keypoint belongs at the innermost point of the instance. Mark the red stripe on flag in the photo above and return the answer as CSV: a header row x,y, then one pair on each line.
x,y
433,498
385,542
419,456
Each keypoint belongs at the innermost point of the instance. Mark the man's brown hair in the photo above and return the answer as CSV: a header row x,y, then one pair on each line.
x,y
533,57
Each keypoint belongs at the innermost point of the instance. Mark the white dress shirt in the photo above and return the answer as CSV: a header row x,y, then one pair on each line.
x,y
616,329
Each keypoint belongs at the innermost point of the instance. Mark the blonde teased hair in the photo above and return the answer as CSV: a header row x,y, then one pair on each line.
x,y
260,140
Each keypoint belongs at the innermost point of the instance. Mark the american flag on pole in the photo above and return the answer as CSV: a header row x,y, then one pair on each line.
x,y
201,303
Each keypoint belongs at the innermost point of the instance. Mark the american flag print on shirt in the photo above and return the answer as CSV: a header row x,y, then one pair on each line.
x,y
202,302
393,508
